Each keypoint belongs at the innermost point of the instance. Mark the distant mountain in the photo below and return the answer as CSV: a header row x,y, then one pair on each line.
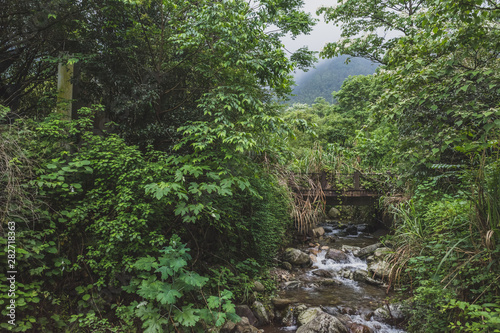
x,y
327,77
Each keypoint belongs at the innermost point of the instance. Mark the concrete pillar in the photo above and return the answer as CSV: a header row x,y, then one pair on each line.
x,y
65,89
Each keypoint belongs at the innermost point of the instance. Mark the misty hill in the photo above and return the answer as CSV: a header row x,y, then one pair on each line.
x,y
328,77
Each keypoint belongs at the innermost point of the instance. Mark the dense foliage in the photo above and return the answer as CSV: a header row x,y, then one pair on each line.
x,y
162,219
175,185
435,120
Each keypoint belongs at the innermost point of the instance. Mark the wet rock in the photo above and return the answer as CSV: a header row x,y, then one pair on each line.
x,y
292,285
286,265
317,232
382,252
323,273
245,312
296,257
380,269
337,255
333,213
392,312
366,251
365,228
349,248
351,230
288,317
308,315
328,228
281,303
314,251
346,273
244,326
323,323
260,313
325,248
257,286
328,239
228,327
347,311
360,275
359,328
330,282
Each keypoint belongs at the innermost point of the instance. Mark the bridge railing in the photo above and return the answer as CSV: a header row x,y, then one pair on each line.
x,y
342,182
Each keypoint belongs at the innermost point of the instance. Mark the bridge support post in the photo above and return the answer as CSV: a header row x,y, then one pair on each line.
x,y
323,182
357,185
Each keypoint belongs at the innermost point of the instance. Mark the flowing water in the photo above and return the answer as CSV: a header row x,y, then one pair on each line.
x,y
355,299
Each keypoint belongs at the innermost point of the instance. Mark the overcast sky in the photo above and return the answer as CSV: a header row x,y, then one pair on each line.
x,y
322,33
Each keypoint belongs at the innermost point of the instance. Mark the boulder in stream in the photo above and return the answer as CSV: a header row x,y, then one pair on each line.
x,y
380,268
297,257
337,255
244,326
323,323
245,312
281,303
349,248
323,273
392,312
333,213
308,315
260,313
366,251
317,232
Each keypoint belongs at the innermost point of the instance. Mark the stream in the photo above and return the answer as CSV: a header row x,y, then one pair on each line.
x,y
354,300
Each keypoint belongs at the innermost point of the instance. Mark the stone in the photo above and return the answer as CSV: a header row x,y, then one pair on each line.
x,y
351,229
244,326
349,248
260,313
314,251
258,286
313,258
333,213
228,327
281,303
380,268
359,328
330,282
392,312
360,275
322,273
328,228
364,228
308,315
292,285
382,252
286,265
288,317
325,248
337,255
297,257
323,323
317,232
368,250
245,312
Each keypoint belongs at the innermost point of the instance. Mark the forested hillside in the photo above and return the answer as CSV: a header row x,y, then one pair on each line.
x,y
327,77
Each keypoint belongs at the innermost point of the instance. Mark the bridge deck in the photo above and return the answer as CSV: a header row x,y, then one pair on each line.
x,y
356,196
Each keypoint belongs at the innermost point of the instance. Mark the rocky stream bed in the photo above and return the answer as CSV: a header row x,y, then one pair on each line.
x,y
333,284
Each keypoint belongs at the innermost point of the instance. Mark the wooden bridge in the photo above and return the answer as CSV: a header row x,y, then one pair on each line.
x,y
341,189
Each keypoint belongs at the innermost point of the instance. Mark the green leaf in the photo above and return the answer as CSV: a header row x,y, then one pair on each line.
x,y
187,317
168,295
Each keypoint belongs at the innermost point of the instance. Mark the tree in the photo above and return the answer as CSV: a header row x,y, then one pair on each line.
x,y
371,19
